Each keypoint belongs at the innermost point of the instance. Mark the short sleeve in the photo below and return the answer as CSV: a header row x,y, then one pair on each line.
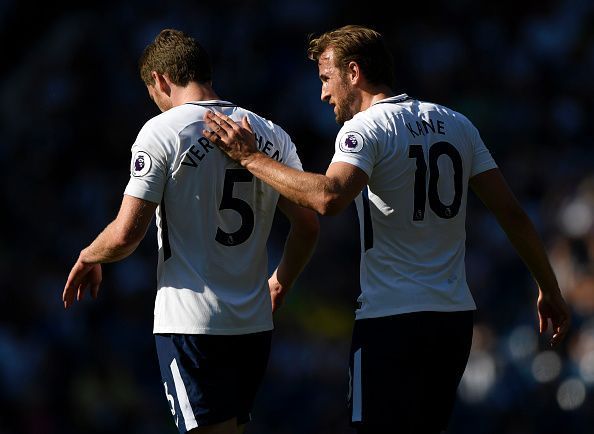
x,y
481,157
293,159
289,150
355,145
148,167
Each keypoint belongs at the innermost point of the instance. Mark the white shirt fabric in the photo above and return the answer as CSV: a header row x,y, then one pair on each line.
x,y
412,239
213,220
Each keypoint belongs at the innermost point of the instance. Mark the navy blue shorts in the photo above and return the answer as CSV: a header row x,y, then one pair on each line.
x,y
405,369
209,379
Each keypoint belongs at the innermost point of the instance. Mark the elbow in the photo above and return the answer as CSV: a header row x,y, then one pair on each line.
x,y
331,209
515,220
330,205
517,216
327,210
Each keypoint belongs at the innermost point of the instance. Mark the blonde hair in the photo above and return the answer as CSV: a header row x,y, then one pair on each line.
x,y
353,43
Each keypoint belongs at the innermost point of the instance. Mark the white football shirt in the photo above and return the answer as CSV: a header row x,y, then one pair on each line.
x,y
213,220
419,157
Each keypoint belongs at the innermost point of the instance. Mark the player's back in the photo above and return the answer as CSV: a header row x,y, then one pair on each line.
x,y
214,219
419,159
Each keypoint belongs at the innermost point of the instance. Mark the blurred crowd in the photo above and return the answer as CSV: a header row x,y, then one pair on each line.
x,y
72,102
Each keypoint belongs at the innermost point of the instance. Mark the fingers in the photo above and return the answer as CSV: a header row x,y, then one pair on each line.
x,y
543,323
219,123
556,339
277,301
68,295
78,280
95,291
560,329
561,320
71,286
558,336
212,137
81,291
215,136
246,124
96,282
213,124
560,317
224,121
223,124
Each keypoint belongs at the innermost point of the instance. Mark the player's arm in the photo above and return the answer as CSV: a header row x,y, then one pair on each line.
x,y
299,247
327,194
118,240
491,188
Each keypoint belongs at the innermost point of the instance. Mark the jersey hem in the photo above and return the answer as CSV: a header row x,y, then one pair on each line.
x,y
398,311
211,331
140,193
489,165
340,158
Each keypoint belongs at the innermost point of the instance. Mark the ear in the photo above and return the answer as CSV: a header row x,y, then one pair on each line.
x,y
354,72
162,83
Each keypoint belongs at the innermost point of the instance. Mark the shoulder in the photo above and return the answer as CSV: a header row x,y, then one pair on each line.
x,y
265,127
364,128
262,122
168,125
445,112
159,135
163,120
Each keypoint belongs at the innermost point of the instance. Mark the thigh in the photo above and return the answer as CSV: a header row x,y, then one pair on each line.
x,y
445,360
227,427
253,354
404,370
203,376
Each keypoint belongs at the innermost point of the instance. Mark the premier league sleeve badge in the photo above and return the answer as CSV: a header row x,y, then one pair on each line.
x,y
351,142
141,164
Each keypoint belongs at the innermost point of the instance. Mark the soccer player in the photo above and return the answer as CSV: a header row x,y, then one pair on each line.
x,y
214,304
408,164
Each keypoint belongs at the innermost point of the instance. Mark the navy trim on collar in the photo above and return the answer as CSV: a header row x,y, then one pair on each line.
x,y
213,104
394,99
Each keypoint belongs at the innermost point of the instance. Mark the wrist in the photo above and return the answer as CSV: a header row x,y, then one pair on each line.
x,y
251,158
84,258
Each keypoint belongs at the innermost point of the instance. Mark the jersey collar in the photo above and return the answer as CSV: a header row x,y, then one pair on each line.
x,y
212,103
393,99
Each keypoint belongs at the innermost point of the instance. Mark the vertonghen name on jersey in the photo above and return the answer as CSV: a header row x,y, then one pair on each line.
x,y
196,153
267,147
422,128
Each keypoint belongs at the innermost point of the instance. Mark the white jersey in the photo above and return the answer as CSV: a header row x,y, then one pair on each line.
x,y
213,220
419,157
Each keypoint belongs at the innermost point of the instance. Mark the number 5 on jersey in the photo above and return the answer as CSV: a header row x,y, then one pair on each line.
x,y
238,205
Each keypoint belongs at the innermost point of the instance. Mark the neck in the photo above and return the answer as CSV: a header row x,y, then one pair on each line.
x,y
192,92
372,94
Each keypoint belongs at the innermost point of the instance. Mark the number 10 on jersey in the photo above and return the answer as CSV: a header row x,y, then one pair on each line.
x,y
422,190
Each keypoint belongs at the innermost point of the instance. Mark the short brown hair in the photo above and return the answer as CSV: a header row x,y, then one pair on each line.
x,y
177,55
359,44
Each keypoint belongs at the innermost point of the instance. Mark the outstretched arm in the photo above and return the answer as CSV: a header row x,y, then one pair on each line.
x,y
491,188
299,247
327,194
118,240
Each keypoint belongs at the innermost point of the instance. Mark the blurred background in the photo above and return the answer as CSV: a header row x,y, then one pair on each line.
x,y
72,102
